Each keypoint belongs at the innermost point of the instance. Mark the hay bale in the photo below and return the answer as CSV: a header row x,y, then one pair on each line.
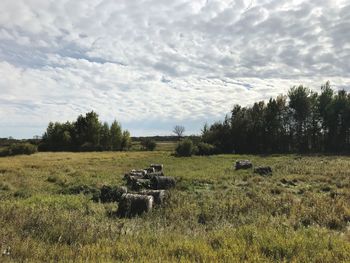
x,y
150,170
140,172
263,170
151,175
136,183
134,204
112,193
243,164
158,195
157,167
162,182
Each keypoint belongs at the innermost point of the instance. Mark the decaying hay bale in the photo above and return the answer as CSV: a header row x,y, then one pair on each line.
x,y
158,195
263,170
157,167
136,183
112,193
142,172
150,170
134,204
243,164
151,175
162,182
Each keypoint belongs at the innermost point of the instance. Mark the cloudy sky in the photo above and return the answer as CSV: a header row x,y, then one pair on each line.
x,y
152,64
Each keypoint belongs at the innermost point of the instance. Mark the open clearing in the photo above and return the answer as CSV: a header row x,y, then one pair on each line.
x,y
301,213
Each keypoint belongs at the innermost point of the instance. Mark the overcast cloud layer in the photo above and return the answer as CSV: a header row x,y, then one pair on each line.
x,y
154,64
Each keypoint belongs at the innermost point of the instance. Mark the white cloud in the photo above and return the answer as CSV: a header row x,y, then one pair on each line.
x,y
162,62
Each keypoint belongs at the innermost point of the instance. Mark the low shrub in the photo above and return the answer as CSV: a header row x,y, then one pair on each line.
x,y
148,144
205,149
19,148
185,148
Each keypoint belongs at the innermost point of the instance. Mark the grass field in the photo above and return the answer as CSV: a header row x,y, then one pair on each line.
x,y
161,146
299,214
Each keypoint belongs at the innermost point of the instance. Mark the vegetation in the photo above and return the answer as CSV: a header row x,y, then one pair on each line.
x,y
179,131
185,148
85,134
215,214
148,144
18,148
302,122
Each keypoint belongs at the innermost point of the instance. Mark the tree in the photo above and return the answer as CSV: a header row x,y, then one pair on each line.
x,y
87,133
105,139
179,131
126,140
116,136
299,102
87,130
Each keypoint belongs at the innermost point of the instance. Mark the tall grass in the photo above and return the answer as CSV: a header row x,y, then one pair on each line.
x,y
299,214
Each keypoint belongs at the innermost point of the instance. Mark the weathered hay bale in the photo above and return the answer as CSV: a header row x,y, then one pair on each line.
x,y
130,178
157,167
162,182
112,193
138,172
263,170
243,164
158,195
150,170
134,204
136,183
151,175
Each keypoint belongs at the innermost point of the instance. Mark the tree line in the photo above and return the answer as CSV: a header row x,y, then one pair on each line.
x,y
302,121
87,133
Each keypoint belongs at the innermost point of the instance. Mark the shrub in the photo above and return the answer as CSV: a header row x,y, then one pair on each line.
x,y
205,148
148,144
185,148
19,148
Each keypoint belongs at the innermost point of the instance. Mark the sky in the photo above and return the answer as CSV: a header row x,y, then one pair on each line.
x,y
154,64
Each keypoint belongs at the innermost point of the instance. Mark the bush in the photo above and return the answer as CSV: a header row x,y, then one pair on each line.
x,y
23,148
205,149
19,148
148,144
185,148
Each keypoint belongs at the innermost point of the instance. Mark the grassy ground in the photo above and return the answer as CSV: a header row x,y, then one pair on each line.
x,y
300,214
161,146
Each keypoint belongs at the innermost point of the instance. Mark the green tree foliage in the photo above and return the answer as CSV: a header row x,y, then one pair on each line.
x,y
116,136
126,140
105,136
303,121
87,133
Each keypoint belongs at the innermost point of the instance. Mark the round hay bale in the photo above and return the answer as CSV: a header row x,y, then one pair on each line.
x,y
131,205
243,164
158,195
157,167
151,175
162,182
136,183
112,193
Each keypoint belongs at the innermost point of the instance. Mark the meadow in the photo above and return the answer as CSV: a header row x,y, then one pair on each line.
x,y
215,214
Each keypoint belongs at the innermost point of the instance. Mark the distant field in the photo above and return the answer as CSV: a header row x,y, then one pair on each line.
x,y
299,214
161,146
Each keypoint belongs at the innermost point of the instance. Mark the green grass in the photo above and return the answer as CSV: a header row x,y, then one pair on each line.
x,y
299,214
168,146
